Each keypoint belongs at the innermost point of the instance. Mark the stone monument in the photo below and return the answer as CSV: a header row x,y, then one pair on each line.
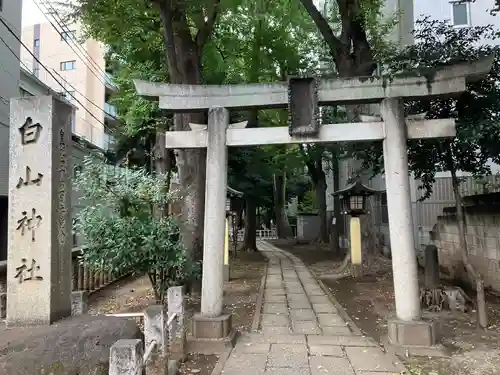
x,y
39,241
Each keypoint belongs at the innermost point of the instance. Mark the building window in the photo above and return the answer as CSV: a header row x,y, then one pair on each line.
x,y
68,65
36,43
460,12
68,35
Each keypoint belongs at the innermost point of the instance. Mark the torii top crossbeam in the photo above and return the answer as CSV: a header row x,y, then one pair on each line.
x,y
417,84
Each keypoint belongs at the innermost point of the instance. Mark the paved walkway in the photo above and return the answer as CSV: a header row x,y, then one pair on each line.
x,y
301,332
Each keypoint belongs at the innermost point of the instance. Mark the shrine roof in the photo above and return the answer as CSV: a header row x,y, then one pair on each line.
x,y
357,188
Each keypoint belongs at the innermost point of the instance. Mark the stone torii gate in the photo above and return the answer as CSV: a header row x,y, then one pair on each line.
x,y
303,97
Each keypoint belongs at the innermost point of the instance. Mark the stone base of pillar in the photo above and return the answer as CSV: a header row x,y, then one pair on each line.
x,y
420,333
356,271
216,328
226,272
211,335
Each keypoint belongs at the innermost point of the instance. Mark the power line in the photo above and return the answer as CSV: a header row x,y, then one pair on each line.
x,y
80,48
65,38
41,64
55,14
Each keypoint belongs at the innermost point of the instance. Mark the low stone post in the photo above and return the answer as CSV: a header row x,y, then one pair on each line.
x,y
431,276
155,329
177,329
79,302
125,357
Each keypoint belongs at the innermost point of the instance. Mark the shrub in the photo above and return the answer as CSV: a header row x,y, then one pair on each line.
x,y
121,231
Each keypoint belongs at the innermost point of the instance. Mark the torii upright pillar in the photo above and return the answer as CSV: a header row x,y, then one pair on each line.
x,y
211,322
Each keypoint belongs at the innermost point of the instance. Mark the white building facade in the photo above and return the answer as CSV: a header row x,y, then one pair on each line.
x,y
10,12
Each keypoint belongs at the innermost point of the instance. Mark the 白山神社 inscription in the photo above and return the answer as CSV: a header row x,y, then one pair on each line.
x,y
27,180
39,253
23,273
30,132
29,224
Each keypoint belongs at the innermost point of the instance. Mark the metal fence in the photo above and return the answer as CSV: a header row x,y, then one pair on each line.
x,y
261,234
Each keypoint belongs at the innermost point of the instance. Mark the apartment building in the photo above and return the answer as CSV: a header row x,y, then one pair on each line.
x,y
10,13
459,13
77,71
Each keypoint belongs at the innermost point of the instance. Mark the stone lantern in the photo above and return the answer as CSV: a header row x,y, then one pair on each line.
x,y
353,199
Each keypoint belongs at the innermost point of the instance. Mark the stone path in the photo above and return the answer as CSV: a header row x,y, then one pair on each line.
x,y
301,332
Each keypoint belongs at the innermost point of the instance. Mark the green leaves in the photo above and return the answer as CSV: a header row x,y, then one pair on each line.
x,y
121,233
476,111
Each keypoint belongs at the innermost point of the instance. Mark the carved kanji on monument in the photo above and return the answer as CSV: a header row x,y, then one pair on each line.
x,y
30,132
29,223
25,273
28,180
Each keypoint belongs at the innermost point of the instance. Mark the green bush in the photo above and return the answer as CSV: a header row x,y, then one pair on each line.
x,y
121,232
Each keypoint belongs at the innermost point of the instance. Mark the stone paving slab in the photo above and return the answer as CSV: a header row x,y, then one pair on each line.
x,y
275,308
299,304
321,365
340,340
302,314
370,359
324,308
328,320
271,330
274,320
320,300
306,327
288,355
326,350
336,331
236,362
251,348
275,299
287,371
273,292
301,332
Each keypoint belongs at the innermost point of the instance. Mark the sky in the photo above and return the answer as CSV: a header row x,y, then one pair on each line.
x,y
31,13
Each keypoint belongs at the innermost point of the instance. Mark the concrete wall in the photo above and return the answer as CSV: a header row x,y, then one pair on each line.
x,y
85,82
483,241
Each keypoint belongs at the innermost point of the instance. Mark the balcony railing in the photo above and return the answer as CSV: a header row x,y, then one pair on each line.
x,y
110,110
108,79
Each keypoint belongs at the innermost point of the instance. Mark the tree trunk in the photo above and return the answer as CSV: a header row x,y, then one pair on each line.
x,y
283,228
183,55
482,313
162,165
337,229
320,190
250,239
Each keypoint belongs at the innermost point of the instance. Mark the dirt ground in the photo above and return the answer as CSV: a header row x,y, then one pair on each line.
x,y
240,296
370,300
